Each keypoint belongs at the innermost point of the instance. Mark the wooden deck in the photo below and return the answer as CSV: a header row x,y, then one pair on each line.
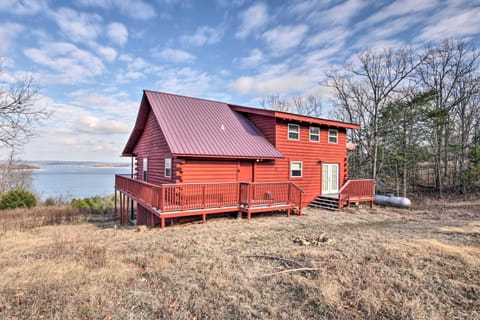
x,y
353,191
168,201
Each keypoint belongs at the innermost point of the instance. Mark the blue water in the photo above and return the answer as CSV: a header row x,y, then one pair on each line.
x,y
70,182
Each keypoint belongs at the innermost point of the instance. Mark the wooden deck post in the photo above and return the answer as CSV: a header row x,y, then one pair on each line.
x,y
204,218
152,220
249,214
121,209
288,212
128,210
162,222
115,207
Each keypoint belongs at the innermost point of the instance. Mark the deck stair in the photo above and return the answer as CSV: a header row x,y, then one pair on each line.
x,y
325,202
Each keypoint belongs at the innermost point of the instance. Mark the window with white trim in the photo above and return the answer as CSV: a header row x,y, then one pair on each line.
x,y
293,132
314,134
295,169
145,169
332,136
168,167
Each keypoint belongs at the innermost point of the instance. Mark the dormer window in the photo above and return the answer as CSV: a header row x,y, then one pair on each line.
x,y
332,136
314,134
293,132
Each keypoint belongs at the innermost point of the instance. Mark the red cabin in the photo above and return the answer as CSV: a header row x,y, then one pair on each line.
x,y
197,157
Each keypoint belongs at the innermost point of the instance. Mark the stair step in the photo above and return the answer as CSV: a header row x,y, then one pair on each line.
x,y
326,203
331,208
332,201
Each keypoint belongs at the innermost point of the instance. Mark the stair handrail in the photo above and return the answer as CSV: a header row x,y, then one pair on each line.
x,y
342,200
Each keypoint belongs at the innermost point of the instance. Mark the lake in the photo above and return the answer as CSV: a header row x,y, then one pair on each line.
x,y
74,181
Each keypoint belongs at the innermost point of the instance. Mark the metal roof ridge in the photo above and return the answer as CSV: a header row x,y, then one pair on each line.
x,y
184,96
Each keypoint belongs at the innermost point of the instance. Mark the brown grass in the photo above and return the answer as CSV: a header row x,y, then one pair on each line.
x,y
385,263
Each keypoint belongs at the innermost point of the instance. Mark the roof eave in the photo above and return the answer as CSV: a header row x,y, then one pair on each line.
x,y
212,156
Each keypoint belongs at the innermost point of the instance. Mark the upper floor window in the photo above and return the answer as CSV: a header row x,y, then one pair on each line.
x,y
332,136
168,167
293,132
296,169
314,134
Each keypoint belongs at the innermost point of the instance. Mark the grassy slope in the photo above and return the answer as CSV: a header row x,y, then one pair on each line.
x,y
418,264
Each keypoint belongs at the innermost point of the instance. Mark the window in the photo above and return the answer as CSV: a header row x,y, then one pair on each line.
x,y
295,169
293,132
314,134
168,167
145,169
332,136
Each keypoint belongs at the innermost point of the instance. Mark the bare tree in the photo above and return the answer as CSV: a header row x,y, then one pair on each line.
x,y
448,69
364,89
309,105
13,175
19,113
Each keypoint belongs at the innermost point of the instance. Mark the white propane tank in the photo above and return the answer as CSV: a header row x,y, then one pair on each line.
x,y
392,201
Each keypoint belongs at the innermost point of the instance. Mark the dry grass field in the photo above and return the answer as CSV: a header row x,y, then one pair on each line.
x,y
385,263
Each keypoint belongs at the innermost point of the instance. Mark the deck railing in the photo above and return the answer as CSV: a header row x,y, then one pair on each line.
x,y
191,196
356,189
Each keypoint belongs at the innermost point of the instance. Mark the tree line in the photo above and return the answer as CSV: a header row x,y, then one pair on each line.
x,y
419,112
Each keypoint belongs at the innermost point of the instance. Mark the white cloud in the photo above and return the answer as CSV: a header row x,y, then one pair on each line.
x,y
136,9
8,33
72,64
326,37
253,59
23,7
264,84
203,35
118,33
230,3
107,53
399,8
459,23
252,19
111,105
176,55
186,81
78,26
341,13
94,125
283,38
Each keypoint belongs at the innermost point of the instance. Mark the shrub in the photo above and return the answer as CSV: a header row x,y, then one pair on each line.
x,y
17,199
94,204
80,204
49,202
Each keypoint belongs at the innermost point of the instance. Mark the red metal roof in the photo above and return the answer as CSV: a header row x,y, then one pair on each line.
x,y
198,127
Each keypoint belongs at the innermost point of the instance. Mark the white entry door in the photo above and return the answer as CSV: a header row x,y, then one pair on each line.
x,y
329,178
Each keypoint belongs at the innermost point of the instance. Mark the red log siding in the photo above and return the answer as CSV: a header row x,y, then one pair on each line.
x,y
196,170
152,145
310,153
266,125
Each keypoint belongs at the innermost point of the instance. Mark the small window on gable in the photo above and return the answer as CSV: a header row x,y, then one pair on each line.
x,y
293,132
295,169
168,167
314,134
145,169
332,136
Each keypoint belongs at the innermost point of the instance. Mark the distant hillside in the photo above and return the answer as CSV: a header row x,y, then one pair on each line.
x,y
92,164
21,166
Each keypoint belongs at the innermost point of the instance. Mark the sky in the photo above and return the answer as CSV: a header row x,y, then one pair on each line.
x,y
93,58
